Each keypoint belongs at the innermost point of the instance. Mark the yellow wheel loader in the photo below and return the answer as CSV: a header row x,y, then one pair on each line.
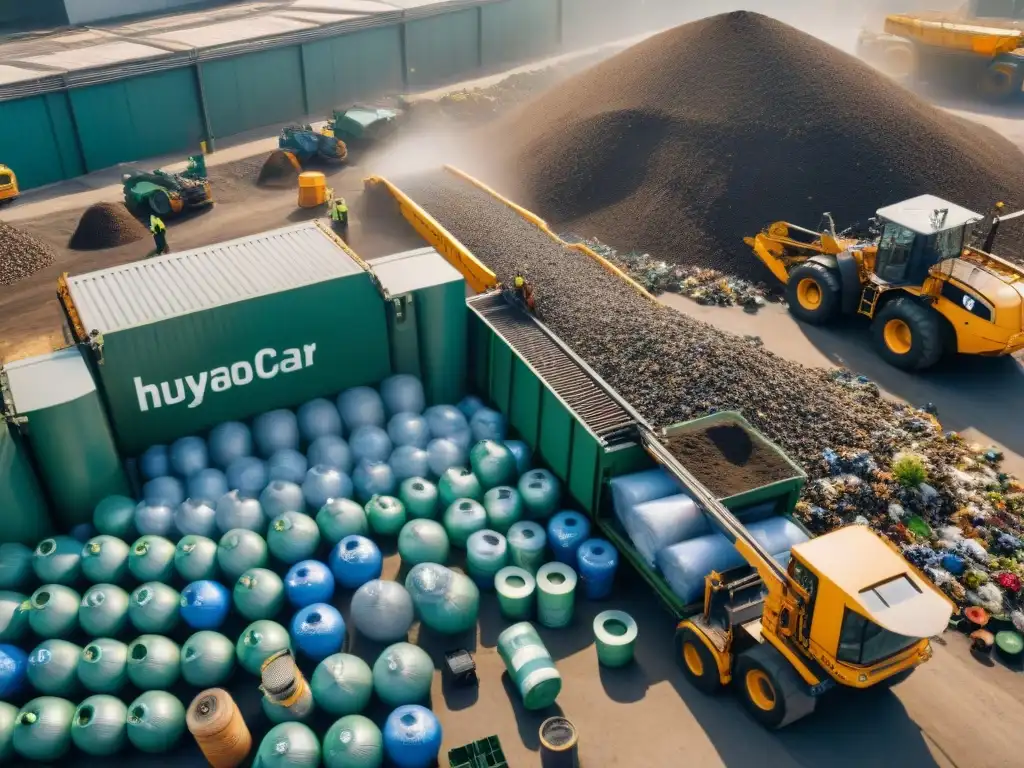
x,y
8,185
925,288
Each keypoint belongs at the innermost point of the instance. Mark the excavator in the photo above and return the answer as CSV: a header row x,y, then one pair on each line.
x,y
927,289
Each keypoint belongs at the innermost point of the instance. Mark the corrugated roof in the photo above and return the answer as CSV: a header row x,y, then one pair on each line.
x,y
42,382
96,56
180,283
231,31
409,270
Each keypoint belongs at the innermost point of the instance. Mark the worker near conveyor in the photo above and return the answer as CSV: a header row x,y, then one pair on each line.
x,y
523,291
339,217
159,230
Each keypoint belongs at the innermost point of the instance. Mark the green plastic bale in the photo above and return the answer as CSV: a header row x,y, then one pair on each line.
x,y
104,610
13,616
540,492
516,588
239,550
386,515
420,497
153,608
615,637
402,674
42,729
100,726
293,536
15,566
463,518
530,665
556,594
195,558
339,518
493,464
105,560
446,601
207,659
258,642
103,665
504,508
458,483
258,594
8,716
151,558
156,722
58,560
353,741
53,668
154,662
115,516
342,684
289,745
423,541
53,610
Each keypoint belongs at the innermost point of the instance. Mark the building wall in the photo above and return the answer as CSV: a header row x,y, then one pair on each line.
x,y
37,139
20,15
89,11
254,90
442,48
351,67
513,31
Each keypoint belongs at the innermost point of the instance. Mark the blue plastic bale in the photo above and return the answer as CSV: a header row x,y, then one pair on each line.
x,y
469,405
331,451
402,393
463,438
409,429
323,484
155,462
354,561
207,485
228,442
487,424
443,454
638,487
248,476
954,564
567,530
205,604
280,497
523,454
155,519
412,737
195,517
369,443
445,420
188,456
164,491
598,562
288,465
374,478
308,582
237,511
13,669
318,418
318,630
409,461
275,430
361,406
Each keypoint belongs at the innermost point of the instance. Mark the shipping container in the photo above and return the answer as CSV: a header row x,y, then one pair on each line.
x,y
348,68
58,407
225,332
25,514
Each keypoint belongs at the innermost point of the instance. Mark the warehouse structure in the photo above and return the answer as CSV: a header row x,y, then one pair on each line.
x,y
79,100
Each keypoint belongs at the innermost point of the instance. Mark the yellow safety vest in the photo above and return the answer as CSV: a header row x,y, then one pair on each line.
x,y
156,225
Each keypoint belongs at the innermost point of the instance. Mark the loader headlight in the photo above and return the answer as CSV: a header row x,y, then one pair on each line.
x,y
862,678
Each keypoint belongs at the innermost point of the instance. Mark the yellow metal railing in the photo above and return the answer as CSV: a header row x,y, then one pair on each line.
x,y
64,294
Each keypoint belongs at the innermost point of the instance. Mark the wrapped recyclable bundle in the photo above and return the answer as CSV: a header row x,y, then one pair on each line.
x,y
638,487
654,525
530,665
445,601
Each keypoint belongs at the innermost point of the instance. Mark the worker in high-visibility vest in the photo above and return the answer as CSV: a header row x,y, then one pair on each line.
x,y
339,217
524,291
159,230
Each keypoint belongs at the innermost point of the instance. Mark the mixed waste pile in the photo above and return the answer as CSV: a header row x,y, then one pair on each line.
x,y
21,254
106,225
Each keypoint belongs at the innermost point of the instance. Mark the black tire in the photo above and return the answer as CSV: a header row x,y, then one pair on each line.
x,y
160,203
1000,82
899,61
810,282
770,688
697,662
918,344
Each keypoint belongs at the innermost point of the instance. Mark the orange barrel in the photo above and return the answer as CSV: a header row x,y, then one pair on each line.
x,y
312,189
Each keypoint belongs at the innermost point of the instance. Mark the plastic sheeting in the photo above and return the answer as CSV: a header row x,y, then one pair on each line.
x,y
382,611
402,674
342,684
402,393
638,487
654,525
530,665
445,600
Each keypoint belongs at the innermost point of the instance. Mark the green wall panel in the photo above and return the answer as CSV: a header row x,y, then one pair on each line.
x,y
37,139
584,468
253,90
555,444
442,341
524,414
517,30
141,117
480,337
501,374
26,519
442,48
348,68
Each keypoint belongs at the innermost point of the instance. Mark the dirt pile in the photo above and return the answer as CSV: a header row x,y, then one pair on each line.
x,y
703,134
21,254
277,172
106,225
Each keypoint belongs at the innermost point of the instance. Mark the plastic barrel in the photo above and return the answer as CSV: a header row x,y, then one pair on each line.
x,y
615,635
559,744
567,530
530,665
597,561
527,542
486,554
516,589
556,594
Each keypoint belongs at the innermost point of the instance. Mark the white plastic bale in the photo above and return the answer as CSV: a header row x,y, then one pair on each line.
x,y
487,424
409,461
188,456
195,517
373,478
237,511
280,496
331,451
248,476
638,487
409,429
369,443
318,418
325,483
154,519
382,611
654,525
402,393
445,420
229,441
288,465
361,406
274,431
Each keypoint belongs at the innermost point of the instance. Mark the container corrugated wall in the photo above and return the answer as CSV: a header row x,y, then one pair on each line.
x,y
442,48
254,90
352,67
37,139
26,519
513,31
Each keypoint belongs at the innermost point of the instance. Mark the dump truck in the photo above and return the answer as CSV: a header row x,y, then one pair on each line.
x,y
167,194
927,288
8,185
303,142
978,47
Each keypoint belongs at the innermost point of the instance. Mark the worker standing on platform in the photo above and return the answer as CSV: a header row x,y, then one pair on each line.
x,y
339,217
524,292
159,230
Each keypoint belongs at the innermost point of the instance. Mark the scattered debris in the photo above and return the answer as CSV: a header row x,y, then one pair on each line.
x,y
106,225
21,254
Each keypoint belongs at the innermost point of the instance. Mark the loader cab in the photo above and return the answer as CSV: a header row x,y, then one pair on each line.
x,y
916,235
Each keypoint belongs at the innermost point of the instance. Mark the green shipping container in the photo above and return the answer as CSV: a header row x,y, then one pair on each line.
x,y
254,90
442,48
62,417
348,68
513,31
26,518
231,330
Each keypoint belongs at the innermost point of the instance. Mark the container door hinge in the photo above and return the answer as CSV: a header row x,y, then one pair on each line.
x,y
399,303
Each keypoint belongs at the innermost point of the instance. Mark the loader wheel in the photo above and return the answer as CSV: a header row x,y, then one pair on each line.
x,y
813,293
1000,82
697,662
771,690
899,62
908,335
160,203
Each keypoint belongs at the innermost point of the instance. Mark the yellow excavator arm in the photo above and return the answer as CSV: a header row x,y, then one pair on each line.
x,y
781,246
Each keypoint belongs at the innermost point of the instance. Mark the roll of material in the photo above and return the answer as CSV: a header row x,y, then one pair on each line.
x,y
218,727
566,531
615,636
517,591
598,562
559,744
463,518
527,542
504,508
639,487
540,491
556,594
654,525
286,694
530,665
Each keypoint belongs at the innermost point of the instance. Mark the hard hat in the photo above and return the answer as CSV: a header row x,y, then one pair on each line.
x,y
520,282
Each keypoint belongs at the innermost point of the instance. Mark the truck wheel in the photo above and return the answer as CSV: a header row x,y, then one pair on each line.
x,y
771,690
813,293
899,61
908,335
1000,82
697,662
160,203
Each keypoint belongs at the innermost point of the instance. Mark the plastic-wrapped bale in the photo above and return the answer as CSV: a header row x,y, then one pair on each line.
x,y
423,541
567,530
292,537
153,608
446,601
339,518
289,745
188,455
615,635
354,561
258,594
685,565
288,465
402,393
402,674
207,659
42,729
443,454
386,515
258,642
331,451
459,483
13,619
99,726
275,430
412,737
195,517
195,558
639,487
52,610
105,560
420,497
597,563
113,516
207,485
409,429
205,604
8,718
308,582
537,680
361,406
342,684
318,418
103,611
445,421
353,741
52,667
13,670
237,511
166,491
16,565
556,594
469,405
155,462
151,558
280,496
154,663
239,550
516,590
540,492
156,722
493,464
373,478
103,665
487,424
462,518
486,554
318,631
228,442
522,454
248,476
370,443
409,461
527,542
654,525
382,611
